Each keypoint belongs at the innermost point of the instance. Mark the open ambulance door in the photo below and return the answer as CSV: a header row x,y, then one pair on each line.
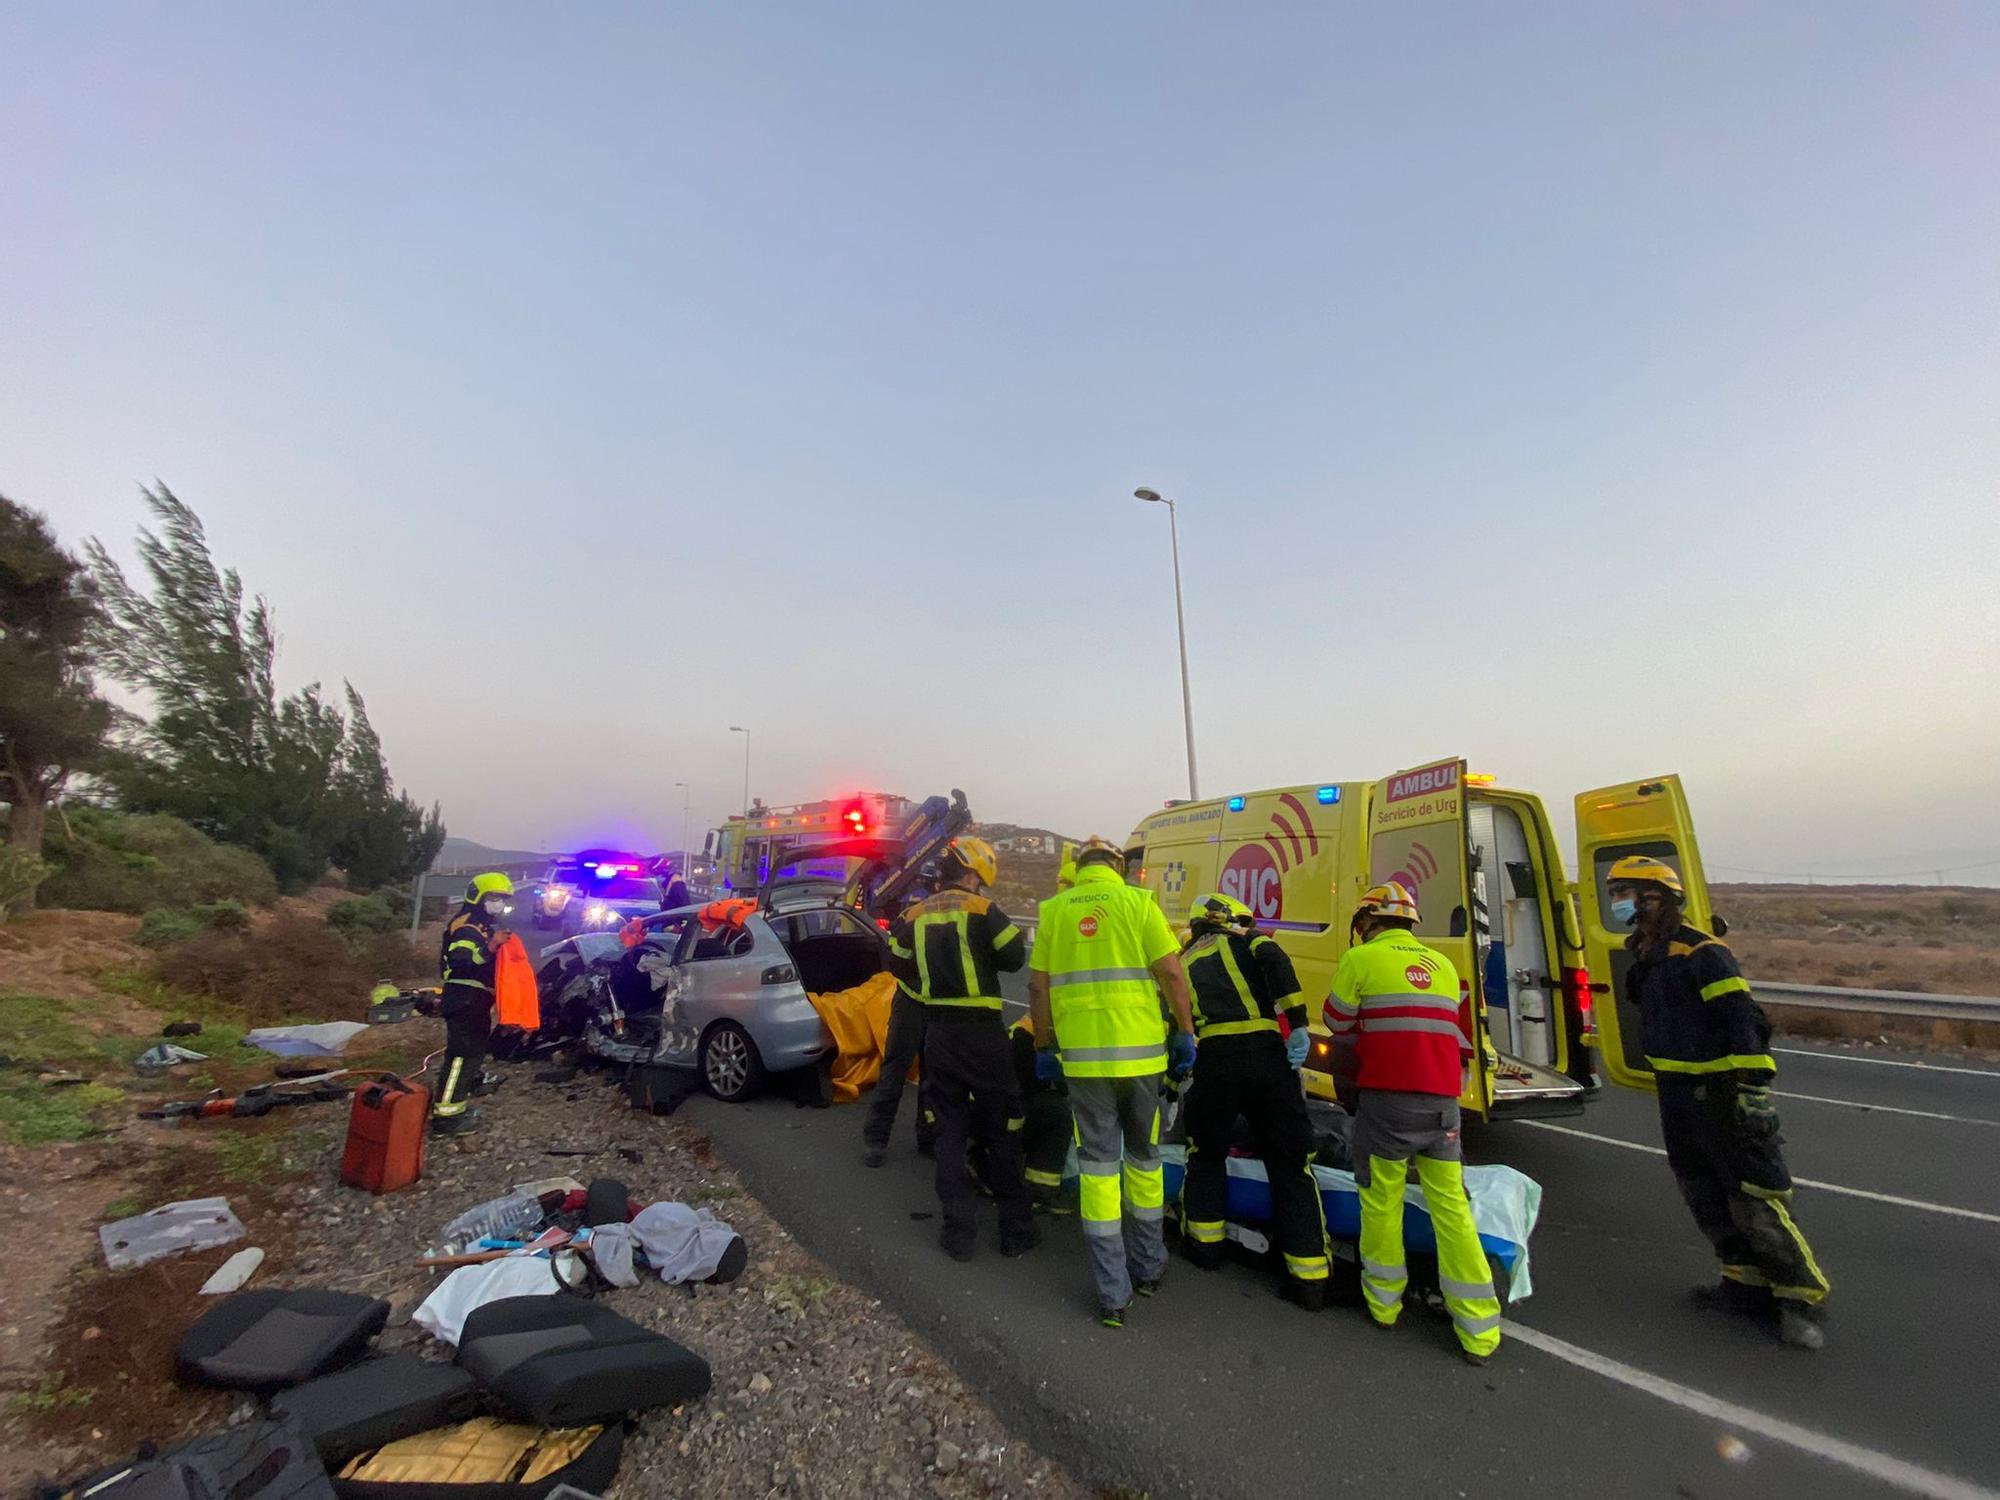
x,y
1418,836
1641,817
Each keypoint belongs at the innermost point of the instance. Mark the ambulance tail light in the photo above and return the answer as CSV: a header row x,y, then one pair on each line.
x,y
1577,994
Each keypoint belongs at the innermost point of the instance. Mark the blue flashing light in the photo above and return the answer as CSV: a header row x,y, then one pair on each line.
x,y
605,872
1328,795
1236,804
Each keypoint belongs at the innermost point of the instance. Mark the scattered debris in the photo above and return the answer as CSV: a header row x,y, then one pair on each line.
x,y
327,1039
158,1059
233,1273
181,1028
170,1229
1732,1449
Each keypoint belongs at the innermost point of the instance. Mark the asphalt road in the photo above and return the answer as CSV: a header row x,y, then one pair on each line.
x,y
1609,1383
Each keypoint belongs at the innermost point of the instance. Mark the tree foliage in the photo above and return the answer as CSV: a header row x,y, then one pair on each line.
x,y
293,777
52,721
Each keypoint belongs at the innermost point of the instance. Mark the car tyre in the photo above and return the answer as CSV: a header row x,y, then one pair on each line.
x,y
731,1069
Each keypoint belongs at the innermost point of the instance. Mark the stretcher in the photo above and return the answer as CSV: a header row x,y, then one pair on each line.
x,y
1505,1204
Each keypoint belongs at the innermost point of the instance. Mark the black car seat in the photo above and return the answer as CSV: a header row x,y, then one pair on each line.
x,y
269,1338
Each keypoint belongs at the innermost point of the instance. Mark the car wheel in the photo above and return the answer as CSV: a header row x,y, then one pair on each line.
x,y
730,1067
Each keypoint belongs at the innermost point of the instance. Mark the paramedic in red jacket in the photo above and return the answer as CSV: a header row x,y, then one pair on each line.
x,y
1395,1005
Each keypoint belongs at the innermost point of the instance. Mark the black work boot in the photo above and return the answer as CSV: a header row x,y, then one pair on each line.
x,y
1732,1297
1310,1295
459,1124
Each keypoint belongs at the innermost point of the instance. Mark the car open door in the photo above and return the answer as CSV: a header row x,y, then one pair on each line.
x,y
1418,837
1647,817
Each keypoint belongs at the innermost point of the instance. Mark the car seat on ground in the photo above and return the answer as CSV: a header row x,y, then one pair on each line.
x,y
375,1402
269,1338
565,1362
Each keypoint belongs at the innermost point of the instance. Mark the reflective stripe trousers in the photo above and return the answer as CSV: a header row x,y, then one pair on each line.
x,y
1738,1188
1392,1128
969,1083
903,1045
1118,1164
1248,1077
468,1025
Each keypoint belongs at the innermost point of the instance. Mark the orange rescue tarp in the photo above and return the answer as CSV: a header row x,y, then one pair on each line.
x,y
859,1021
515,1002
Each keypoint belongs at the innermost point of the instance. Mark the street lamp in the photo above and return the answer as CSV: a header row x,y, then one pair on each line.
x,y
1153,497
685,795
739,729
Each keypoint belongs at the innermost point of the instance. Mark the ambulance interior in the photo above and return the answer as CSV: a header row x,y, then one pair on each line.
x,y
1512,929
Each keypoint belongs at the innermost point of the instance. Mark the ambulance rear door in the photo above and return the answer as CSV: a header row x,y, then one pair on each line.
x,y
1640,817
1418,836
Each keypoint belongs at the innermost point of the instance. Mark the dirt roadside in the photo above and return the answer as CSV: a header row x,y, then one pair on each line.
x,y
818,1391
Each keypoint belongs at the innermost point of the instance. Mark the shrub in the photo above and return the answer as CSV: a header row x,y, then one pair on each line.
x,y
295,966
164,926
21,875
230,916
357,916
107,861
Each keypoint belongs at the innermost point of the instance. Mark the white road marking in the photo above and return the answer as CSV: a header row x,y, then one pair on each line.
x,y
1887,1109
1741,1419
1886,1062
1811,1182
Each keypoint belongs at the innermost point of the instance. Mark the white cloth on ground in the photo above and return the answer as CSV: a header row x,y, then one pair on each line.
x,y
444,1312
681,1243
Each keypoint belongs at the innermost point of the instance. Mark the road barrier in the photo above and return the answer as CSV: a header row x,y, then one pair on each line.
x,y
1880,1002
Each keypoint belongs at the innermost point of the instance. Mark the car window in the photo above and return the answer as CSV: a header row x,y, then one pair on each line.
x,y
727,942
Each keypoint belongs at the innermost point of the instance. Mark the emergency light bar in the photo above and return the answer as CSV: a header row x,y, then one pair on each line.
x,y
1236,804
1327,795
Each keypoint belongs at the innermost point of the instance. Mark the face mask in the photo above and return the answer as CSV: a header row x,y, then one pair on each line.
x,y
1624,911
494,906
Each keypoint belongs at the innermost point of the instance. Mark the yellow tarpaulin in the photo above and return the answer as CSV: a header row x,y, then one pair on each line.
x,y
859,1021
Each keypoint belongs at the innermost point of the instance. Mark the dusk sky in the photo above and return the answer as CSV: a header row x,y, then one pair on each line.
x,y
1588,390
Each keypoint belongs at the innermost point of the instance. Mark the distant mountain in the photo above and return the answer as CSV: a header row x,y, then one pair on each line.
x,y
458,854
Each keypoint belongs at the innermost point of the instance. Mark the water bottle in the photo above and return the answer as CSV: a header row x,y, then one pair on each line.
x,y
505,1218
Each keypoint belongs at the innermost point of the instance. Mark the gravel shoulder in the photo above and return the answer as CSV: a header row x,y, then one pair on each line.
x,y
819,1390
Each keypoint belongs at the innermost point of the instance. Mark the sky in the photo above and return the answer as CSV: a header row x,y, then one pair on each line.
x,y
1591,391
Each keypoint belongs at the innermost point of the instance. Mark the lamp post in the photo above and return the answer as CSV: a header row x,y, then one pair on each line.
x,y
1153,497
739,729
685,795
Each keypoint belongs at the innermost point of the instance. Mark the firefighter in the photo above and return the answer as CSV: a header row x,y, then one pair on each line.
x,y
1710,1050
949,951
1045,1125
471,938
1394,1018
1242,983
1103,955
902,1044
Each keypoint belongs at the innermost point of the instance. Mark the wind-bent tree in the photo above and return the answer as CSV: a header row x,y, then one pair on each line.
x,y
52,722
291,776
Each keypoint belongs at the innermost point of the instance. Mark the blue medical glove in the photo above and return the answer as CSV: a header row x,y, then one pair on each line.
x,y
1048,1066
1297,1045
1180,1053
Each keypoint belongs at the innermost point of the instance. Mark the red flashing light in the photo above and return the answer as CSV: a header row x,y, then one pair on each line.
x,y
855,816
1576,990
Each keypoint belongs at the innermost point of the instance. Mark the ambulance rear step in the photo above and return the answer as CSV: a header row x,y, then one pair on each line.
x,y
1516,1081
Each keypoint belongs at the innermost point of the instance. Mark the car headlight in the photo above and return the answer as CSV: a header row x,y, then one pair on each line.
x,y
595,912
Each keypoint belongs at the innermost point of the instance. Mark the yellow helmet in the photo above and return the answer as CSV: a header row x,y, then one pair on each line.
x,y
1099,848
977,856
490,884
1218,910
1645,867
1390,899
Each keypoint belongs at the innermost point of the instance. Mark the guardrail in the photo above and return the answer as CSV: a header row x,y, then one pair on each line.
x,y
1879,1002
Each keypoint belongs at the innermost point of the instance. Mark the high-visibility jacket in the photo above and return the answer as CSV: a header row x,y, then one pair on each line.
x,y
1098,942
467,956
1695,1010
1398,1000
1241,984
949,951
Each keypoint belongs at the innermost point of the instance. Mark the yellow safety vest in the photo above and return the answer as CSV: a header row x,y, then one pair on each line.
x,y
1097,942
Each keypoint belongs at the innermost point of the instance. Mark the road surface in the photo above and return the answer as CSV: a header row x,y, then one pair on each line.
x,y
1610,1382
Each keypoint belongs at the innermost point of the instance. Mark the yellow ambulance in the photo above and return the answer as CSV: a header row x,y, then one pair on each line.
x,y
1542,975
